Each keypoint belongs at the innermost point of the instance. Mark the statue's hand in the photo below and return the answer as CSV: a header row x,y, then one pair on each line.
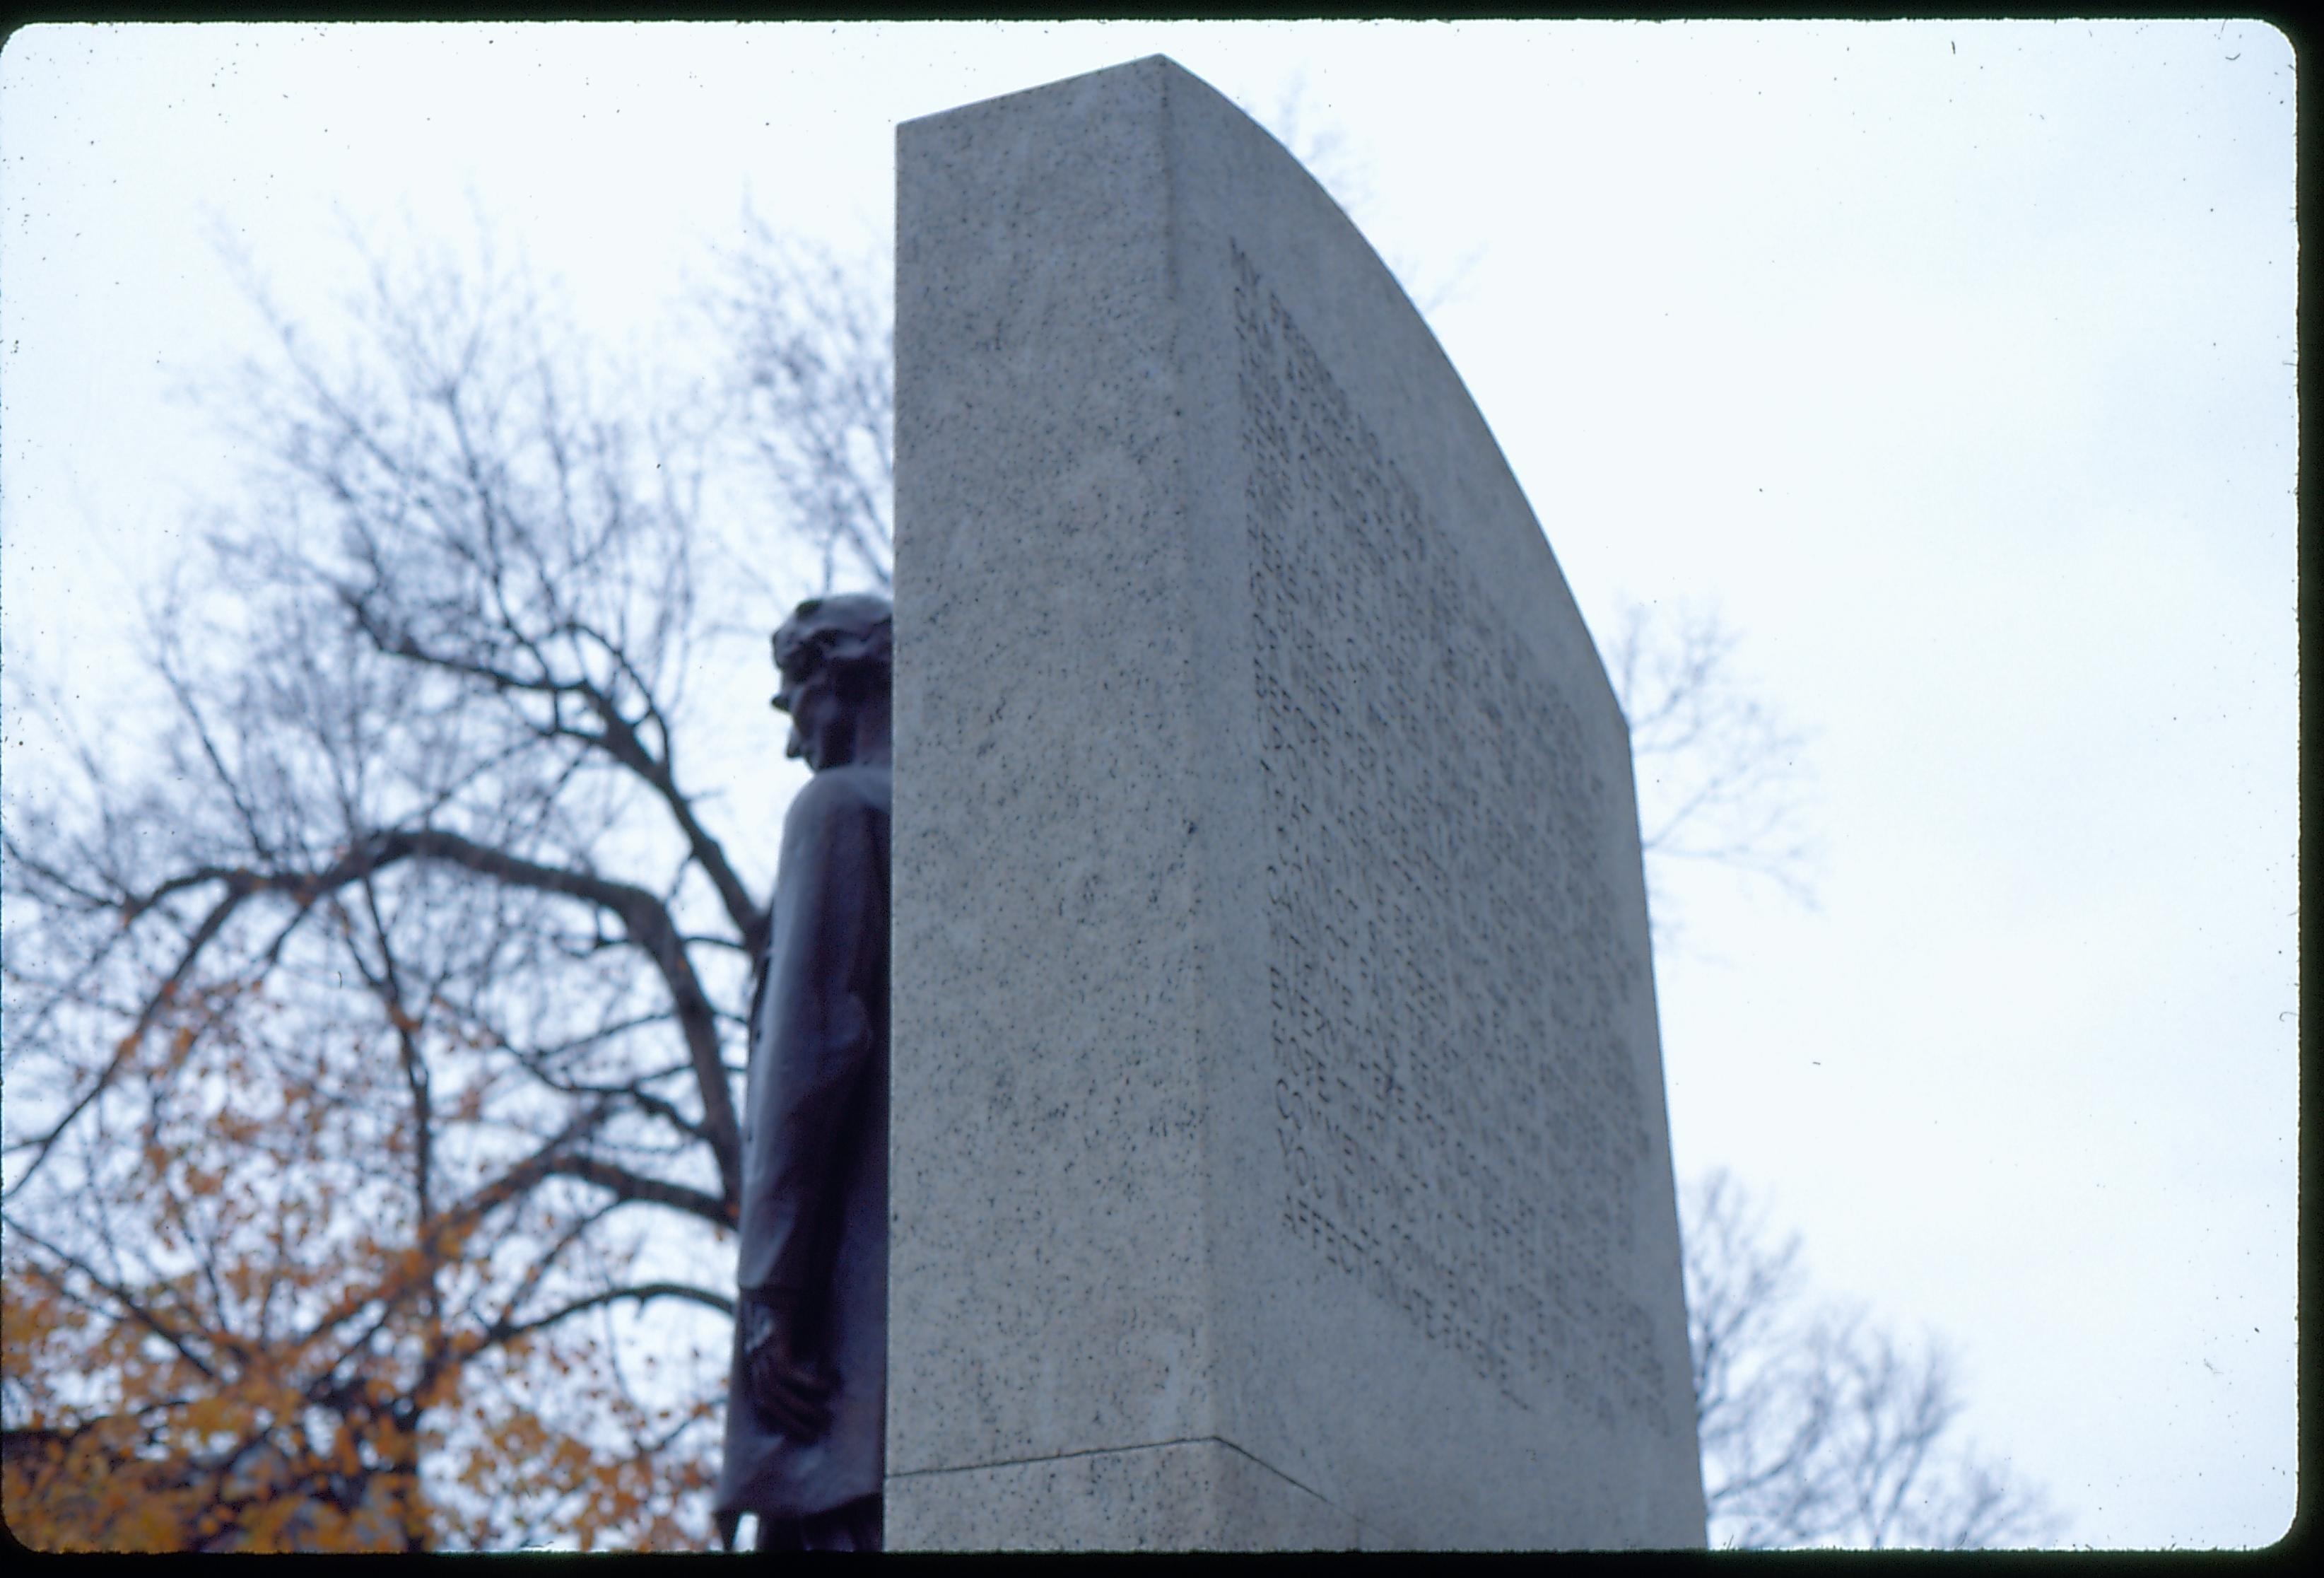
x,y
791,1393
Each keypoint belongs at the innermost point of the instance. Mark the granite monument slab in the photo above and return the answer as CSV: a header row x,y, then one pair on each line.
x,y
1279,1152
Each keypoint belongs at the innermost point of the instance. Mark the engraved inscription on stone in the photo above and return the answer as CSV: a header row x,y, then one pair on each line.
x,y
1458,1119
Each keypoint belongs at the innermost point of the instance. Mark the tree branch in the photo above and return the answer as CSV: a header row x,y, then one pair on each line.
x,y
631,1186
643,1292
120,1295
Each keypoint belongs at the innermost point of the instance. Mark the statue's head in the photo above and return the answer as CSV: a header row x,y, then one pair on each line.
x,y
836,656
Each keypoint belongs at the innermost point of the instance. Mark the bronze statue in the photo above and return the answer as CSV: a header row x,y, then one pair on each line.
x,y
805,1416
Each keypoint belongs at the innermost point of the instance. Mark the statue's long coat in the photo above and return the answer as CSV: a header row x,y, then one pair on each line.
x,y
814,1149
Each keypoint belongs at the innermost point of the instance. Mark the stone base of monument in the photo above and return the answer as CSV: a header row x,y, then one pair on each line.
x,y
1279,1151
1184,1495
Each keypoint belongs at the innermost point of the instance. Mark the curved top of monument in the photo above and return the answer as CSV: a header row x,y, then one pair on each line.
x,y
1233,197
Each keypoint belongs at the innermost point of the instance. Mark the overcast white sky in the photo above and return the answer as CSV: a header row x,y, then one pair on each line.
x,y
1953,362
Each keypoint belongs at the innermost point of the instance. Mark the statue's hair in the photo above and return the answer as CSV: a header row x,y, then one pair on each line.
x,y
854,631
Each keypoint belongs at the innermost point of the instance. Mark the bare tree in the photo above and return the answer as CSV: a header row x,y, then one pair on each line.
x,y
813,384
1816,1428
1721,777
425,794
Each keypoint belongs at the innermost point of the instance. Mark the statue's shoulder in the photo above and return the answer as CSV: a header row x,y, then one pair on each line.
x,y
838,795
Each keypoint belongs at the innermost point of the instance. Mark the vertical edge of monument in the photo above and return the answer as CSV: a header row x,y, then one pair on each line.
x,y
1047,1280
